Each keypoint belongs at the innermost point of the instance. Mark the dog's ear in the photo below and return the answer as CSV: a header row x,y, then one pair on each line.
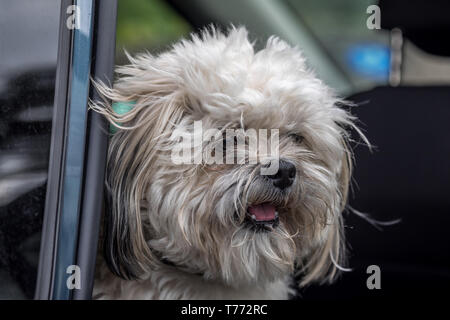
x,y
156,105
326,262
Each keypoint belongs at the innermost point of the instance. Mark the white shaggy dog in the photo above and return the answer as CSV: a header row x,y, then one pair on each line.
x,y
222,231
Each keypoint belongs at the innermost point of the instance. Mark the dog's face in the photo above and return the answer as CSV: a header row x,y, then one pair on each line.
x,y
227,221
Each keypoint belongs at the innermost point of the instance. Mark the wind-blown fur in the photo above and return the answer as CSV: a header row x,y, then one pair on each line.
x,y
192,214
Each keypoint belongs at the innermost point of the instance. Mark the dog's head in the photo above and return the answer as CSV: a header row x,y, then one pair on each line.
x,y
226,220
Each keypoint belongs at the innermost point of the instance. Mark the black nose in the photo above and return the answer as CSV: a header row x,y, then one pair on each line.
x,y
285,175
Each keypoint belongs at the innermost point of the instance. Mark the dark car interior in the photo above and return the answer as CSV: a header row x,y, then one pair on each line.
x,y
406,176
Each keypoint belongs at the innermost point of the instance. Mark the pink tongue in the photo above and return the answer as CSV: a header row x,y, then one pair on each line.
x,y
263,212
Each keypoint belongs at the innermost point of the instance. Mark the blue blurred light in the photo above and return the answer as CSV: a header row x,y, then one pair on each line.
x,y
371,60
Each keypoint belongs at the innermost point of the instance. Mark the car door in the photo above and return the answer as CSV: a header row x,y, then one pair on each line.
x,y
52,148
28,55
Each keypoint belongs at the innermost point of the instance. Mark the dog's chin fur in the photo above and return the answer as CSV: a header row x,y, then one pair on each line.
x,y
179,231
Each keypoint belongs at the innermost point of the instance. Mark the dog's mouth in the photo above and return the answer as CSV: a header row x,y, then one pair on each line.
x,y
262,217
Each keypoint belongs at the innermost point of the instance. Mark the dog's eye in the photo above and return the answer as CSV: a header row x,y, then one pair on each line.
x,y
297,138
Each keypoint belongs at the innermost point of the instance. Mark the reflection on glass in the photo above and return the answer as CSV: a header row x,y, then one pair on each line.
x,y
28,42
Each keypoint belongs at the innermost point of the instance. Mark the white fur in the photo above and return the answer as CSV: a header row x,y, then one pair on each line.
x,y
192,215
169,283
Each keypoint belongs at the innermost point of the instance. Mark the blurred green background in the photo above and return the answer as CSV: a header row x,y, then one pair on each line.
x,y
147,25
325,30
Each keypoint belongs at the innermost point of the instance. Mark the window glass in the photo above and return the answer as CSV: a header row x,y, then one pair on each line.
x,y
28,54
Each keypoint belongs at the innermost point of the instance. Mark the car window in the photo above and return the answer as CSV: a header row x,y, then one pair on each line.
x,y
28,53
